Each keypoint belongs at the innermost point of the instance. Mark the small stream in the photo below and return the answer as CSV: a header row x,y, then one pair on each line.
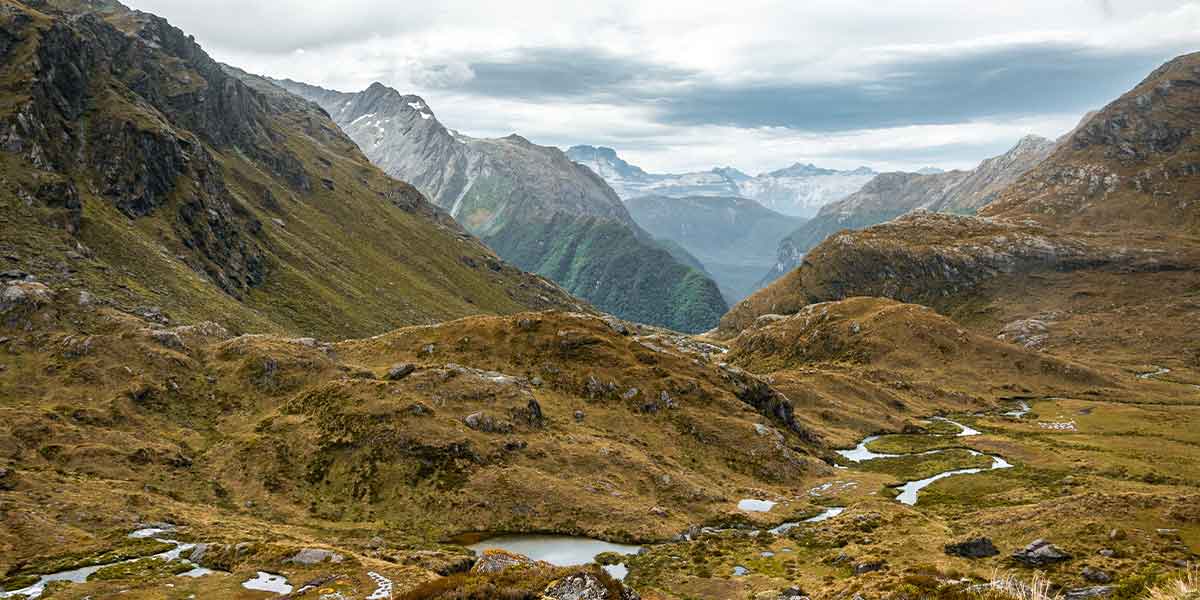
x,y
559,550
82,574
909,490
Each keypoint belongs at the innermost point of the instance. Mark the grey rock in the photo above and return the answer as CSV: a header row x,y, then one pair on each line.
x,y
1040,553
1099,591
1094,575
980,547
24,295
494,561
579,416
481,421
578,586
869,567
314,556
400,371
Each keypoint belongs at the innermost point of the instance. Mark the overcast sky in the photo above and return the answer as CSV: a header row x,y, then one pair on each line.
x,y
758,85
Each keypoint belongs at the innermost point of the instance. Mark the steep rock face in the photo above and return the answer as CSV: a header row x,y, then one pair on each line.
x,y
1097,235
531,203
166,179
799,190
892,194
735,238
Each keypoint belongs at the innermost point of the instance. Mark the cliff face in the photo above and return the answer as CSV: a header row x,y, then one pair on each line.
x,y
141,168
1113,203
535,206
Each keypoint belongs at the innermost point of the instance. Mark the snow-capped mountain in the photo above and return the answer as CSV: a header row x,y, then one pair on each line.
x,y
798,190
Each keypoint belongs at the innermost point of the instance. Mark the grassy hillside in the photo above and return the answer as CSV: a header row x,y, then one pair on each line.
x,y
606,263
152,177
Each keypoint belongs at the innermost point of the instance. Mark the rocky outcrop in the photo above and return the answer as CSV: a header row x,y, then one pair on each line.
x,y
890,195
923,258
532,204
1113,197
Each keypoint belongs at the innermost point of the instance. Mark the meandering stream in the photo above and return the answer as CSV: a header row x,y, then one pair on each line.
x,y
909,490
81,574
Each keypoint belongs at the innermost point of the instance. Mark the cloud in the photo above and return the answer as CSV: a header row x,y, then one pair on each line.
x,y
757,83
1015,80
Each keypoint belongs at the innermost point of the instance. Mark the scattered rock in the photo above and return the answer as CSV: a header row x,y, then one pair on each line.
x,y
659,511
980,547
579,416
1107,552
1117,534
1094,575
315,556
1040,553
400,371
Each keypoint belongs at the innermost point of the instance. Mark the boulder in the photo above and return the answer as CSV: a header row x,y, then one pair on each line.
x,y
314,556
580,586
870,566
495,560
400,371
1040,553
1098,591
980,547
481,421
24,294
1094,575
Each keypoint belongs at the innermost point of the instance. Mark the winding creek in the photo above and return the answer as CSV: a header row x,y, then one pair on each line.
x,y
909,490
559,550
81,574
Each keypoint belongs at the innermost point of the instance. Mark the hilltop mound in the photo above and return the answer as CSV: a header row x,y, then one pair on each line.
x,y
1098,244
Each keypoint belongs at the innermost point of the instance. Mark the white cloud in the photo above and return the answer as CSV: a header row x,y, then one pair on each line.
x,y
429,49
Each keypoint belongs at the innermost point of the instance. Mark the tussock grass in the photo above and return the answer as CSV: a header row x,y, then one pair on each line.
x,y
1185,587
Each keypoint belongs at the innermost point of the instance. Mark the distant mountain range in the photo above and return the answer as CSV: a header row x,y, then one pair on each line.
x,y
799,190
735,238
890,195
531,204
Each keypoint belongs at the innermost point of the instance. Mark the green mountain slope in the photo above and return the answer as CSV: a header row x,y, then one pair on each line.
x,y
531,203
736,239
